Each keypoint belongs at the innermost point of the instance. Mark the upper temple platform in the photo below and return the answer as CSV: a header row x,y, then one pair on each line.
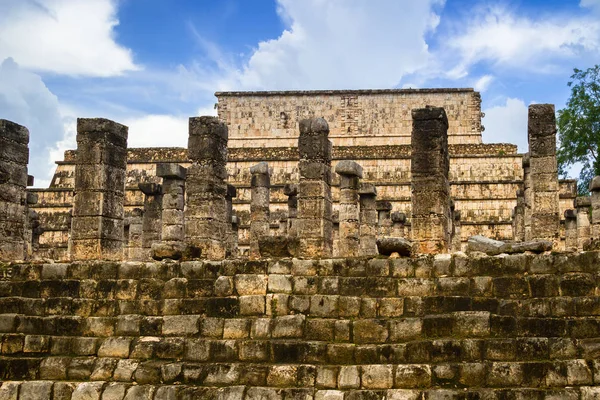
x,y
355,117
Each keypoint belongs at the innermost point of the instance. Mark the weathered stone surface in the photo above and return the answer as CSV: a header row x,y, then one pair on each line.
x,y
171,171
259,207
544,198
314,221
493,247
430,164
206,189
15,230
277,246
388,245
99,175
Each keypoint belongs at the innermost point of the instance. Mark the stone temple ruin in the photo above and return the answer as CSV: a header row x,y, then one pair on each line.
x,y
322,245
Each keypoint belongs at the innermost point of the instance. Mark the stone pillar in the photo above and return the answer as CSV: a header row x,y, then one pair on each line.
x,y
368,219
583,204
235,228
526,198
315,236
335,221
152,216
135,250
231,250
570,230
398,224
291,191
172,234
283,226
430,188
259,206
384,218
32,224
14,156
206,189
100,169
519,217
349,231
541,130
457,238
595,203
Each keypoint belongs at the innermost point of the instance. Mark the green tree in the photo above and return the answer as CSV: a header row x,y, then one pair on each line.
x,y
579,126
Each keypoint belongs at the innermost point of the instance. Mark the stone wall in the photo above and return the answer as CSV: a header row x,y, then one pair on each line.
x,y
355,117
444,327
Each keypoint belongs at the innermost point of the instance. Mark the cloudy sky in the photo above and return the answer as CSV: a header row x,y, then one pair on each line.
x,y
151,64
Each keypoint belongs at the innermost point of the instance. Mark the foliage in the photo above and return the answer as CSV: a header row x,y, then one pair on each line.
x,y
579,126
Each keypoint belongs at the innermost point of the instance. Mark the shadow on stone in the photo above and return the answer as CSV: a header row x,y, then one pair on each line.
x,y
389,245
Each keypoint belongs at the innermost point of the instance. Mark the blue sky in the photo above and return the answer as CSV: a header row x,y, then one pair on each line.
x,y
151,64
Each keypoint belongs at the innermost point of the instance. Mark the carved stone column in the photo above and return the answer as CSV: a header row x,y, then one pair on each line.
x,y
430,187
545,217
172,236
152,216
595,201
315,236
291,191
384,218
398,224
519,217
135,250
259,206
232,249
368,219
570,230
14,156
349,231
527,198
457,238
100,170
206,189
582,205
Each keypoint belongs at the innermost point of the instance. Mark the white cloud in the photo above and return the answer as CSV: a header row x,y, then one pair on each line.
x,y
157,131
341,44
507,124
594,4
503,39
482,84
25,99
63,36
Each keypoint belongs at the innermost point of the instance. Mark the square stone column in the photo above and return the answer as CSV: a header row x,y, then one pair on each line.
x,y
527,198
100,171
457,237
349,217
368,219
232,248
595,205
582,204
291,191
398,224
206,189
384,218
315,228
14,156
570,230
152,216
135,222
545,213
259,206
172,236
519,217
430,187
